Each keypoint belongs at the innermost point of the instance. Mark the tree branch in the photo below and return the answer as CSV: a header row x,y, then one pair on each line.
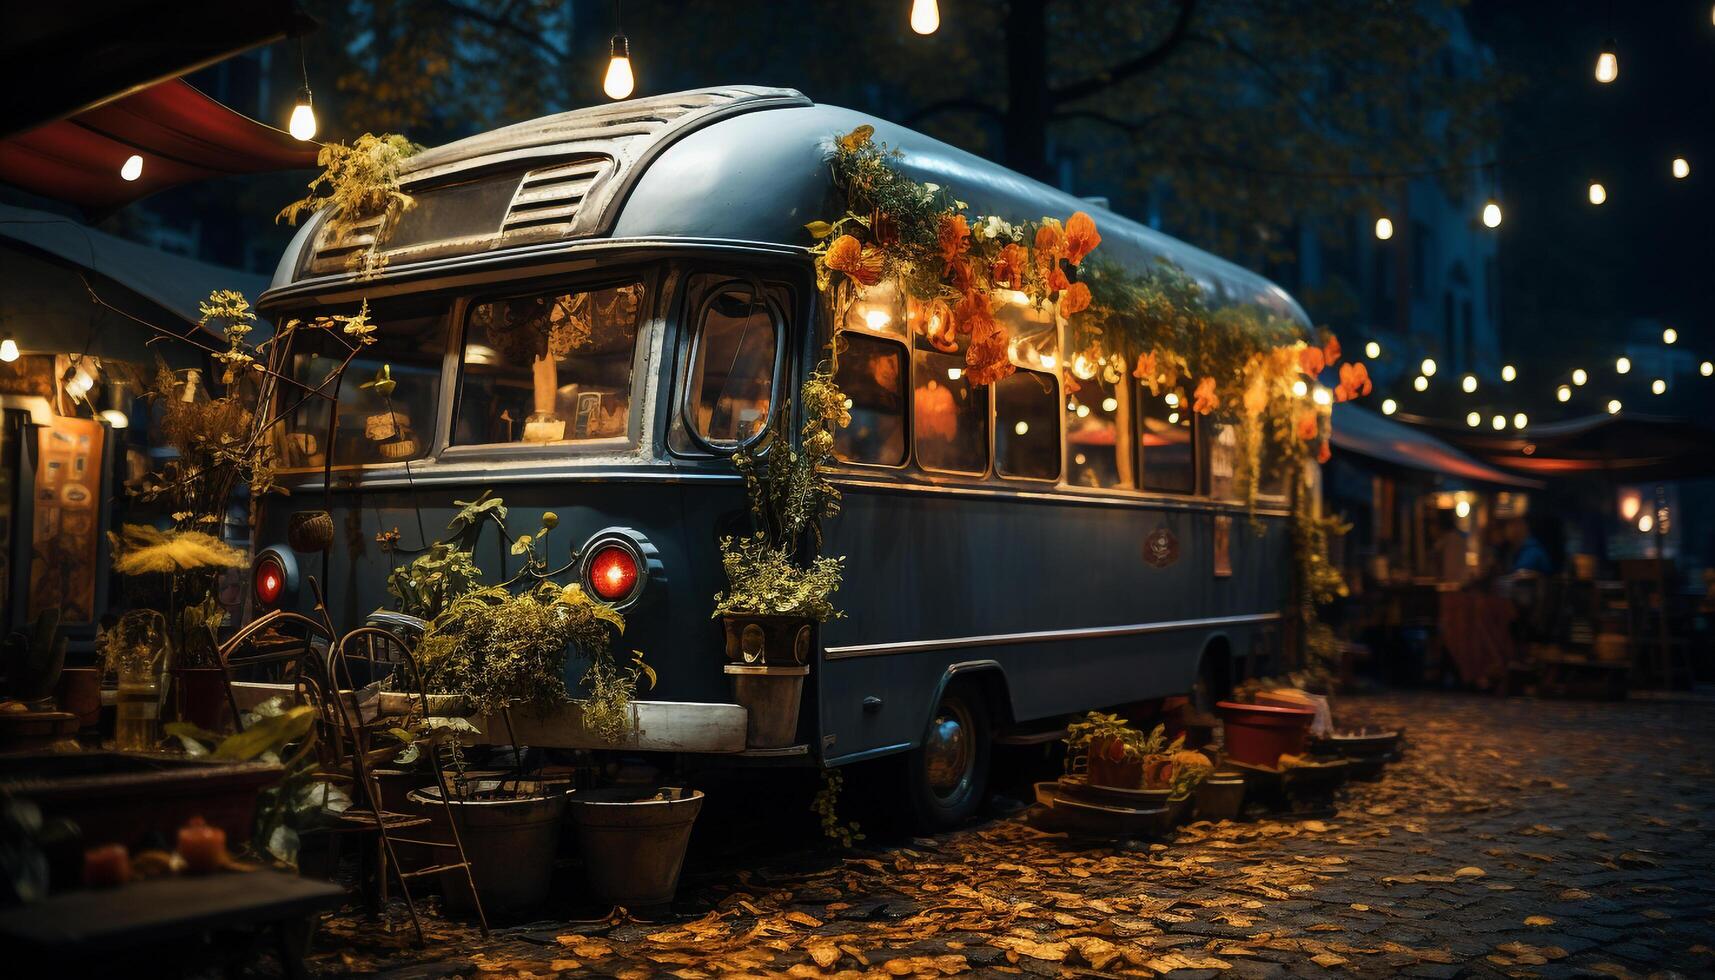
x,y
504,23
1132,127
953,105
1148,61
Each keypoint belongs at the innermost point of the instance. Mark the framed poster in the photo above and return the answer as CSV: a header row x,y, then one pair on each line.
x,y
65,536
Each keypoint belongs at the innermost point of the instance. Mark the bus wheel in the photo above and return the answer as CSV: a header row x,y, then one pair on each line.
x,y
1214,682
947,776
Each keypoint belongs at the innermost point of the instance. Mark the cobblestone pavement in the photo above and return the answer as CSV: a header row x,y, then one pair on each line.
x,y
1518,838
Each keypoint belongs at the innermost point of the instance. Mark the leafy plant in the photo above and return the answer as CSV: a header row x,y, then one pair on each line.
x,y
827,806
361,181
790,495
424,586
1110,733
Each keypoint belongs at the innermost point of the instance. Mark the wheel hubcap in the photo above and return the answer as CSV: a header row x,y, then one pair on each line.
x,y
948,752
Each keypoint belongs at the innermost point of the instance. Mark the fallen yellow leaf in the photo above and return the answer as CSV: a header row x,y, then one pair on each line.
x,y
1538,920
1469,872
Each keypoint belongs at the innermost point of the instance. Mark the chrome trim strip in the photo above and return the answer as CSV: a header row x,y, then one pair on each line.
x,y
866,754
1063,494
1004,639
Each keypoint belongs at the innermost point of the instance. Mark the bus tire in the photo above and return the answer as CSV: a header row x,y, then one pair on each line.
x,y
947,775
1214,681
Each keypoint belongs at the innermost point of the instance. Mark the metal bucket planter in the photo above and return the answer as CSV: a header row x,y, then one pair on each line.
x,y
510,831
633,841
1221,796
771,695
772,640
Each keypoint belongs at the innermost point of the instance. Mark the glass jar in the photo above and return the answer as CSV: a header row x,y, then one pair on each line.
x,y
138,647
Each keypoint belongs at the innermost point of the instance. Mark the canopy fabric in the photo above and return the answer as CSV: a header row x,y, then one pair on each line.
x,y
1623,447
46,308
181,134
1361,431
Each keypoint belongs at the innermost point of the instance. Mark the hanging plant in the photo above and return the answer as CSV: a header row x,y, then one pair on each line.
x,y
359,182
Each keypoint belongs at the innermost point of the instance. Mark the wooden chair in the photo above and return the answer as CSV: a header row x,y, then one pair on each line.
x,y
264,651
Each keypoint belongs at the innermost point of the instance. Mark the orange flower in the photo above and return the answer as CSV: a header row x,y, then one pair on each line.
x,y
935,319
1056,279
1204,399
1307,424
986,361
973,315
855,259
1074,299
954,235
1323,454
1081,237
1145,370
1354,382
1256,398
1311,361
964,278
1331,351
1009,268
1050,241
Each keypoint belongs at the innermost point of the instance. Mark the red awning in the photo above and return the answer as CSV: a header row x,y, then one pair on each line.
x,y
181,134
1358,430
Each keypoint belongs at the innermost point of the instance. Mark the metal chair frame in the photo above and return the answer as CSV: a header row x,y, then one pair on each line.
x,y
291,661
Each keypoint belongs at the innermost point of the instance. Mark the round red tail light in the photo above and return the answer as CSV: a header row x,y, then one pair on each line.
x,y
269,580
613,573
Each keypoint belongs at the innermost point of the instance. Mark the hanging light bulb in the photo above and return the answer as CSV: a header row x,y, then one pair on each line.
x,y
1420,382
132,168
1389,406
1681,168
1492,213
1473,419
1428,367
9,349
1469,383
1520,420
1499,422
1598,193
1706,368
925,16
1613,406
1607,63
1508,372
1623,365
115,418
1563,393
1372,350
1669,336
1384,228
619,82
1579,376
302,125
1658,386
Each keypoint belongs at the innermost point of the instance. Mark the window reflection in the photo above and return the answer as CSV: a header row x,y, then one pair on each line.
x,y
872,376
550,368
950,418
1223,459
1098,434
1027,429
1164,443
733,377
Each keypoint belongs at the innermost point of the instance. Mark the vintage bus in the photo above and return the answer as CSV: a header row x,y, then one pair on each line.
x,y
1015,552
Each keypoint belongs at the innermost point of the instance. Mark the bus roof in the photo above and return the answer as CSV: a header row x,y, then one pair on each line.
x,y
738,164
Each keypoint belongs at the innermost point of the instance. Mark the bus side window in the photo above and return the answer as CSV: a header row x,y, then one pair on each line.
x,y
1027,425
1098,432
732,377
1223,441
950,418
1166,453
872,374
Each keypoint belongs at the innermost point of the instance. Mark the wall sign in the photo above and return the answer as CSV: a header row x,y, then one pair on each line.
x,y
65,539
1161,548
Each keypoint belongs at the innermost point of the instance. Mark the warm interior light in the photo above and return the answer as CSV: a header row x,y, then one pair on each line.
x,y
954,374
1520,420
1623,365
1469,383
1372,350
1083,413
1299,388
1172,397
1492,214
1021,428
1499,422
1613,406
1389,406
8,349
1598,193
1630,503
1508,372
1706,368
1172,418
1607,64
619,82
1384,228
1323,396
1579,376
303,122
1669,336
1473,419
613,573
1563,393
1646,523
1658,386
1681,168
1428,367
132,168
1462,509
115,418
1110,404
925,16
877,319
1420,382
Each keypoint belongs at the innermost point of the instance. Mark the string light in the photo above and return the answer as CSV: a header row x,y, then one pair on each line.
x,y
1473,419
1681,168
1389,406
1607,63
1613,406
1563,393
1469,383
1384,228
619,81
1428,367
1579,376
1658,386
1172,397
925,16
1623,365
1508,373
1520,420
302,124
1646,523
1299,388
1492,213
1706,368
1462,509
1323,396
1110,404
1372,350
9,350
1669,336
1598,193
1420,382
1499,422
132,168
1022,427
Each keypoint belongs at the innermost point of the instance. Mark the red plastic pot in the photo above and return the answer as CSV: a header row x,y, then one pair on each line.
x,y
1104,771
1260,734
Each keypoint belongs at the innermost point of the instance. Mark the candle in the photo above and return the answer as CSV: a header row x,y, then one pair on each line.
x,y
106,866
203,847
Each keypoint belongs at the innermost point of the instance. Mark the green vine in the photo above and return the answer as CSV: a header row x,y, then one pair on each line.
x,y
826,805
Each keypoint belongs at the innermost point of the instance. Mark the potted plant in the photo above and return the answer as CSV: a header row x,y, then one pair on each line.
x,y
1111,752
633,841
778,587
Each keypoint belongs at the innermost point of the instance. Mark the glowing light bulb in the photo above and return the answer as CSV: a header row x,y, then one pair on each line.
x,y
925,16
1428,367
954,374
1579,376
1299,388
1563,393
1623,365
1172,418
1613,406
1110,404
1462,509
619,81
1492,214
1598,193
1499,422
1389,406
1083,411
1520,420
1646,523
1372,350
1473,419
1420,382
1706,368
1384,228
302,125
1607,63
1658,386
9,350
1323,396
1681,168
1079,459
1669,336
115,418
876,319
1022,427
133,167
1172,398
1469,383
1508,372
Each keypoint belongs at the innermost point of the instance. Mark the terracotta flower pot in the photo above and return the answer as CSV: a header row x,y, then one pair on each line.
x,y
775,641
1260,734
1109,767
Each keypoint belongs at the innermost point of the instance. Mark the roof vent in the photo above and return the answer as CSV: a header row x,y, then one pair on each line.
x,y
548,199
